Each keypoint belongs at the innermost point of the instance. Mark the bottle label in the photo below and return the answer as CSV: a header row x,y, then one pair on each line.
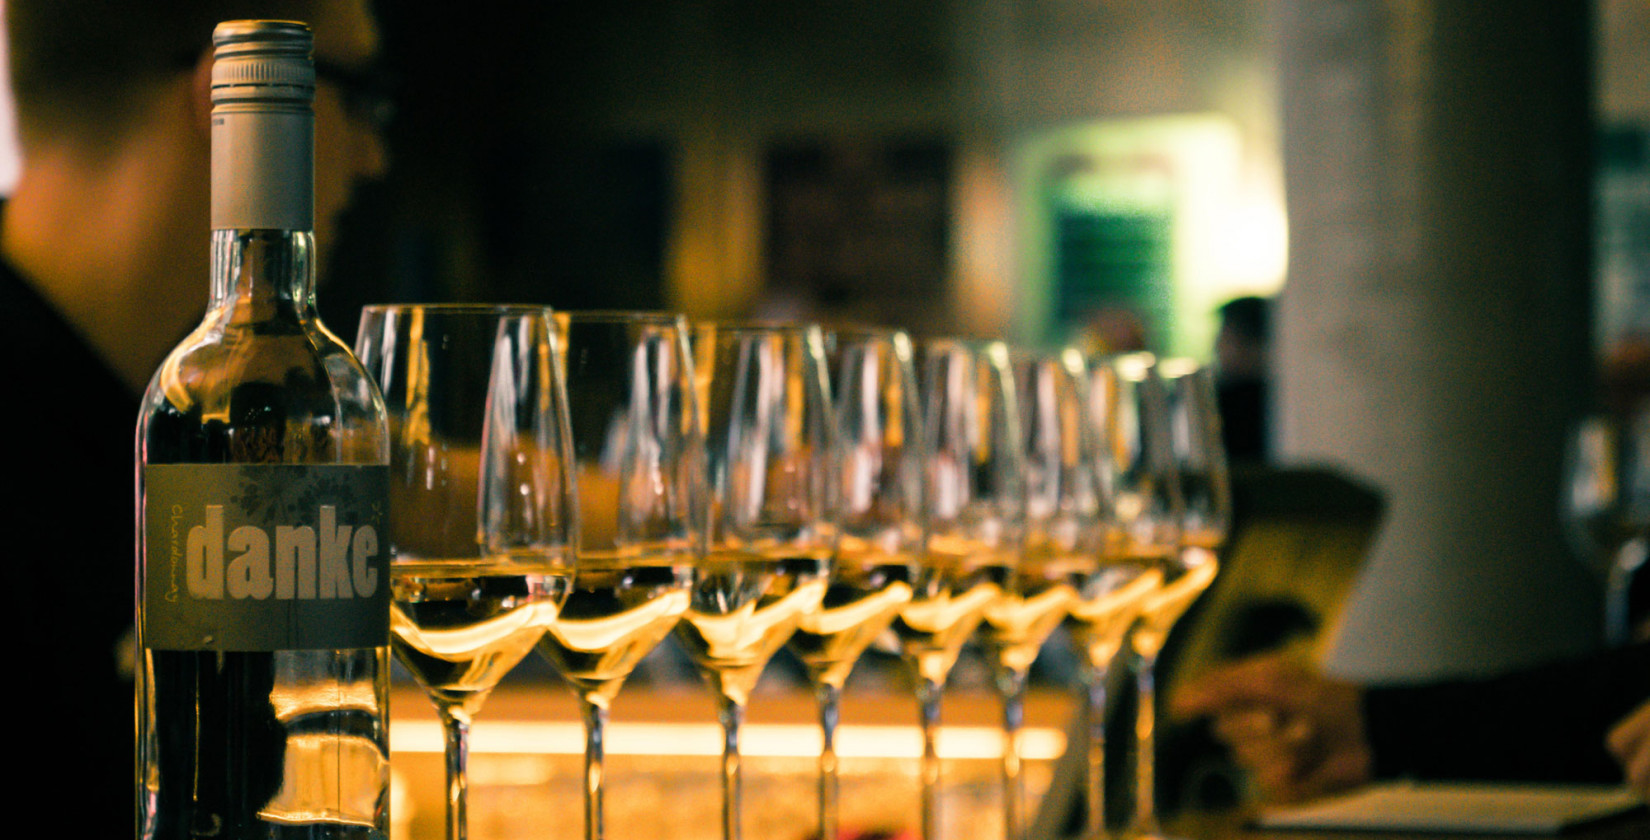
x,y
262,557
263,171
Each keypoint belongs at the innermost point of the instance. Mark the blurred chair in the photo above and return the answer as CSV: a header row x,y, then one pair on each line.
x,y
1299,538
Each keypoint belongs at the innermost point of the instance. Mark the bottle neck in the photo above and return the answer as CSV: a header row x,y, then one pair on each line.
x,y
270,270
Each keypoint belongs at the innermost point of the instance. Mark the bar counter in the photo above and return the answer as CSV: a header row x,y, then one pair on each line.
x,y
663,778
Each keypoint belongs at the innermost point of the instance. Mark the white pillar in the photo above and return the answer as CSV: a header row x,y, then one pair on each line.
x,y
1433,334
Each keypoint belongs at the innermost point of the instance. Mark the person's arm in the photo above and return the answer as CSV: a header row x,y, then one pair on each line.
x,y
1298,733
1545,723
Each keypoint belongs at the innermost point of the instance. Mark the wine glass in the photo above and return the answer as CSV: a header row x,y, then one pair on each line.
x,y
638,456
1606,506
879,492
1199,455
974,503
1191,426
1061,531
1139,530
772,529
481,510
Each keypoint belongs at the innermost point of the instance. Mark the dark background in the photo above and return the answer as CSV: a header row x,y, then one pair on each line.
x,y
499,187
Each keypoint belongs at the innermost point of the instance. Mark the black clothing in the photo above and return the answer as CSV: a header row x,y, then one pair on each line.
x,y
70,424
1543,724
1245,424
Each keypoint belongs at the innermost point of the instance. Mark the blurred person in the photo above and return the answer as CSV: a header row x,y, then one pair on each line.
x,y
104,259
1243,354
1301,733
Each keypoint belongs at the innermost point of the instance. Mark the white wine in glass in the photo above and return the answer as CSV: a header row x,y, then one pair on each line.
x,y
772,527
460,624
639,455
481,511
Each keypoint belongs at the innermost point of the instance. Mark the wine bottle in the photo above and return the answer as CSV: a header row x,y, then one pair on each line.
x,y
262,472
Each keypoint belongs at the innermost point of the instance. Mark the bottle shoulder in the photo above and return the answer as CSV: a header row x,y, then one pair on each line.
x,y
274,390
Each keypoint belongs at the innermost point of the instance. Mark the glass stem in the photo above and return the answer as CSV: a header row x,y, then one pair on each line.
x,y
731,714
829,697
456,725
595,729
1012,686
1145,732
1096,709
928,700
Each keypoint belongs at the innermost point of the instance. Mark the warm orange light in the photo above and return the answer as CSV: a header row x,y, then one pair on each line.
x,y
705,739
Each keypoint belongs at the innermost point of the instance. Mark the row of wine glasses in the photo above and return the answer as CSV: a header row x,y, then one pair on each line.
x,y
587,483
1126,499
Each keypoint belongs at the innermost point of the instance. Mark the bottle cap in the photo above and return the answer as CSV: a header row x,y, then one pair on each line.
x,y
263,125
264,61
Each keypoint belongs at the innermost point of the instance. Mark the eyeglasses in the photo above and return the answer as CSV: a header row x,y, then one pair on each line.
x,y
367,95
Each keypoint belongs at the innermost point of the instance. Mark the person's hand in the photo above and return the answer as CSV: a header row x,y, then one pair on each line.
x,y
1298,733
1629,742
